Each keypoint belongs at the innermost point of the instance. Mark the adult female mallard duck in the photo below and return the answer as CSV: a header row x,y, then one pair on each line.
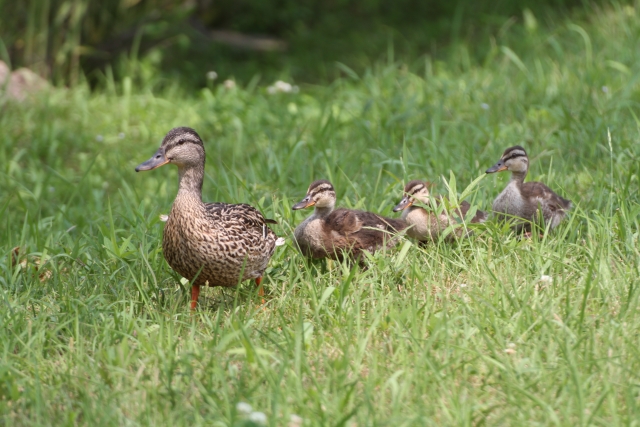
x,y
425,225
332,233
213,244
522,201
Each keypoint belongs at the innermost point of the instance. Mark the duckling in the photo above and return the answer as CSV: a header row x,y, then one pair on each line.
x,y
524,200
330,233
214,244
424,225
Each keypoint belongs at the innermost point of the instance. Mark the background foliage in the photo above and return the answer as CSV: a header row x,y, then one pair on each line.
x,y
67,40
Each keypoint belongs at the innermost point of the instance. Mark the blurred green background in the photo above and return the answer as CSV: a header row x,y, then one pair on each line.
x,y
181,40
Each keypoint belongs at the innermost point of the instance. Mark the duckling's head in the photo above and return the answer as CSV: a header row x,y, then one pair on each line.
x,y
414,190
513,159
181,146
320,194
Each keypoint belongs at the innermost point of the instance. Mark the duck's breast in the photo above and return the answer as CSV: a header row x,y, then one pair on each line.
x,y
509,201
309,238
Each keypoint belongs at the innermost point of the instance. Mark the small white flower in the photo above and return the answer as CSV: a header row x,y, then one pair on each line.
x,y
484,106
605,89
258,417
244,408
229,84
462,285
546,279
295,421
280,241
282,87
164,217
99,138
121,135
212,75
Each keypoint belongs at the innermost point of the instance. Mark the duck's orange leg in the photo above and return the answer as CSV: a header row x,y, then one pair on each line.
x,y
260,288
195,293
259,285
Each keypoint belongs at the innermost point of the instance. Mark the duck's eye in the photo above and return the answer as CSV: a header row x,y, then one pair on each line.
x,y
181,142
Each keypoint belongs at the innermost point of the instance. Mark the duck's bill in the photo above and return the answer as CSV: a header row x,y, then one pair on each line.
x,y
498,167
157,160
404,204
303,204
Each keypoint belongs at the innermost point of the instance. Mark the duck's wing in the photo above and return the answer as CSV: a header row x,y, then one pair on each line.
x,y
354,231
349,222
480,216
389,225
546,197
241,215
461,212
343,222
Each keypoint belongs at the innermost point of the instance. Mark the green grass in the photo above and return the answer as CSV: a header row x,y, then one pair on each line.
x,y
464,334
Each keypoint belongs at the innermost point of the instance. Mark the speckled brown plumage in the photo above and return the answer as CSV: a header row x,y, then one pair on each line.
x,y
427,225
521,202
332,233
214,244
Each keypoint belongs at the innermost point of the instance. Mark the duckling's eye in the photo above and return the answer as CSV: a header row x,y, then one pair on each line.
x,y
181,142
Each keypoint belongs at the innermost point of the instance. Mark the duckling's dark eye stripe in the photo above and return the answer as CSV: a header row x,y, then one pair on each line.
x,y
414,186
322,186
513,156
414,190
320,190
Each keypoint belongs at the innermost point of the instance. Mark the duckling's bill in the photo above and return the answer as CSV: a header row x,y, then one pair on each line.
x,y
498,167
404,204
157,160
307,202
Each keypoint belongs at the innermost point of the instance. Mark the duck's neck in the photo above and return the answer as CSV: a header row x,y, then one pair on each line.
x,y
322,212
518,177
423,198
190,184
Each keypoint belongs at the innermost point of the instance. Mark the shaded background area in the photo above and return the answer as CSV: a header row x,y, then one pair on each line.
x,y
181,40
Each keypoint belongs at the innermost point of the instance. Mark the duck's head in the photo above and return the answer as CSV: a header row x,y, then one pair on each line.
x,y
513,159
414,190
181,146
320,194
